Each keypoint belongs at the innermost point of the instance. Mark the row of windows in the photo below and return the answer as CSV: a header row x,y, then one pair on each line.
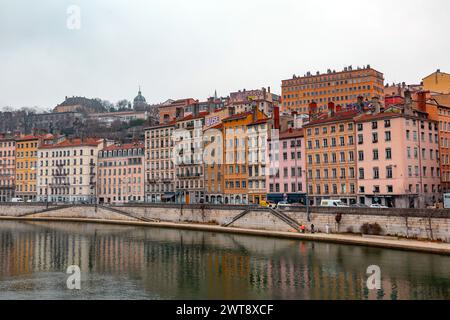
x,y
295,187
63,153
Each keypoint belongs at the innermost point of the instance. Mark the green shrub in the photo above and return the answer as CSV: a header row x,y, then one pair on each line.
x,y
371,229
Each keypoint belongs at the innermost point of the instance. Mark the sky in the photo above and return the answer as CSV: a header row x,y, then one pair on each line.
x,y
190,48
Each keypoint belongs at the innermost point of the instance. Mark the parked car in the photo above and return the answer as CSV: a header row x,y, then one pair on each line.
x,y
283,205
267,204
333,203
17,200
359,205
378,206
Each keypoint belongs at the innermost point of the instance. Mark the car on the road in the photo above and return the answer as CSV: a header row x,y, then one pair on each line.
x,y
267,204
378,206
283,205
333,203
16,200
359,205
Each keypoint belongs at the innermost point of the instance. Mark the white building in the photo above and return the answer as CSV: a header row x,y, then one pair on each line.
x,y
67,170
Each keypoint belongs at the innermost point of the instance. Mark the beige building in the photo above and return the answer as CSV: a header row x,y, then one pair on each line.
x,y
159,167
67,170
438,82
121,173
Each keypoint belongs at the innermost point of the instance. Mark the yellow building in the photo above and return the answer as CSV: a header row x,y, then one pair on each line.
x,y
26,159
438,82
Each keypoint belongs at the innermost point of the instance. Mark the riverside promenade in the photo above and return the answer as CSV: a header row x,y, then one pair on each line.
x,y
106,215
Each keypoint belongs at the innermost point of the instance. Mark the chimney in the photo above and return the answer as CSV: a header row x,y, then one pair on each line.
x,y
338,108
312,110
254,116
376,105
422,100
331,110
408,103
276,117
268,89
196,110
179,113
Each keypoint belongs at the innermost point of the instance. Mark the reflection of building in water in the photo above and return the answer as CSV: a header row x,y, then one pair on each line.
x,y
186,264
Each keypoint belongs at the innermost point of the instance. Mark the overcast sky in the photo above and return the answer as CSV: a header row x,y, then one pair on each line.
x,y
189,48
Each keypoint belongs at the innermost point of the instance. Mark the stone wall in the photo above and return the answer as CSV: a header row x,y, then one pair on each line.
x,y
412,223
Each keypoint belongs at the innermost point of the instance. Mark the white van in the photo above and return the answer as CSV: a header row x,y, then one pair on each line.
x,y
332,203
16,200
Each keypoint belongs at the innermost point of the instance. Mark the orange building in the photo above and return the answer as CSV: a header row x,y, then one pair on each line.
x,y
438,108
213,164
342,88
236,155
438,82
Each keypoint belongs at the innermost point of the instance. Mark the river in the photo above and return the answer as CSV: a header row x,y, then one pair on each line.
x,y
131,262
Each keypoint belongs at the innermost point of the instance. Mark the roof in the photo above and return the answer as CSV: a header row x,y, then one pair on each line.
x,y
169,124
340,116
259,121
35,137
124,146
238,116
378,116
192,117
68,143
291,133
438,71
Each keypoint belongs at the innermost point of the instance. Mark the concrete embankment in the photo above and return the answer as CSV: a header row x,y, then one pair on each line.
x,y
402,244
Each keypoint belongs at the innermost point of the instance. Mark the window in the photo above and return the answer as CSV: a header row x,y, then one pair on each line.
x,y
388,153
390,189
376,173
387,123
389,172
387,136
374,137
360,127
374,125
361,155
375,154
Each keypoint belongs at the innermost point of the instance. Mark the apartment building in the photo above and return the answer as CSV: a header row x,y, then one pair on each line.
x,y
287,170
7,168
342,88
398,159
258,132
213,163
188,155
236,175
26,165
159,165
438,82
331,156
120,173
67,170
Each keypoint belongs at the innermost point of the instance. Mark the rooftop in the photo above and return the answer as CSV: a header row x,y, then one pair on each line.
x,y
77,142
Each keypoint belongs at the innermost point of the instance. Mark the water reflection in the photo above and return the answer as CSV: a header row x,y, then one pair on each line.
x,y
135,262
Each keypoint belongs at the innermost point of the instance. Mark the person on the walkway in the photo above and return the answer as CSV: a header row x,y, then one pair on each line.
x,y
302,228
312,228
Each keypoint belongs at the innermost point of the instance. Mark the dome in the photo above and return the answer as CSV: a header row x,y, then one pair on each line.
x,y
139,98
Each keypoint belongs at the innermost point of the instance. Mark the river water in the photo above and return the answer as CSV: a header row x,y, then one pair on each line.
x,y
128,262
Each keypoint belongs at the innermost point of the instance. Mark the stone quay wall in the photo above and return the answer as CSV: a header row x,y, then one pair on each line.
x,y
430,224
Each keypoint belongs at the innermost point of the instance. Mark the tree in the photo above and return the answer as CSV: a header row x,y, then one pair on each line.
x,y
122,105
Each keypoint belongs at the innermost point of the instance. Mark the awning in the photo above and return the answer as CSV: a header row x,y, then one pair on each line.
x,y
168,196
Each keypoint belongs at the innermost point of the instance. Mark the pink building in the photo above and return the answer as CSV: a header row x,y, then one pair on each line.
x,y
286,178
121,173
398,159
7,169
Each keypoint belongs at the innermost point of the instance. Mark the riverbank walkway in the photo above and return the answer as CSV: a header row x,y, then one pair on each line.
x,y
350,239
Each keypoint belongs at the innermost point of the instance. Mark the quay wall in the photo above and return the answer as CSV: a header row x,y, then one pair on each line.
x,y
427,224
